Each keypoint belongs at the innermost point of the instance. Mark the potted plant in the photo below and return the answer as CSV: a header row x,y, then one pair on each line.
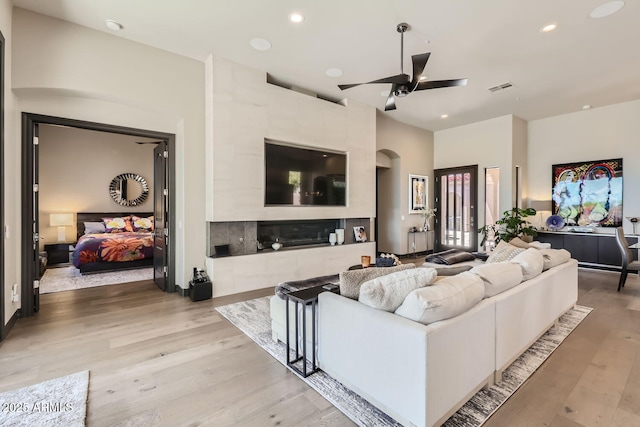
x,y
512,224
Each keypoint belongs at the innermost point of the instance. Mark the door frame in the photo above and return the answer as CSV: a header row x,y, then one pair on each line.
x,y
4,329
29,121
438,245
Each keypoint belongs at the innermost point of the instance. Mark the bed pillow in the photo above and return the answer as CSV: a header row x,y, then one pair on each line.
x,y
350,281
142,224
94,227
387,292
117,224
444,299
504,252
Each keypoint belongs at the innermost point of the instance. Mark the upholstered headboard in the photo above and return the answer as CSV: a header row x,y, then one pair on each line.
x,y
83,217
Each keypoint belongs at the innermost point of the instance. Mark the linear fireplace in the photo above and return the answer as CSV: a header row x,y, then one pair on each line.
x,y
296,232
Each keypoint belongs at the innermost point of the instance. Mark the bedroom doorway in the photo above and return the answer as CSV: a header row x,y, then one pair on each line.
x,y
163,208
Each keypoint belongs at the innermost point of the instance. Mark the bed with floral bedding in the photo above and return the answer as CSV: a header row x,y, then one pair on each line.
x,y
112,241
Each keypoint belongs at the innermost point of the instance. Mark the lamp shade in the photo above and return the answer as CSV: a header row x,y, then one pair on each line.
x,y
61,219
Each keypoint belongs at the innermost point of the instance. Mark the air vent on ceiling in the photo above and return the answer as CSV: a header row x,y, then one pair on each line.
x,y
500,87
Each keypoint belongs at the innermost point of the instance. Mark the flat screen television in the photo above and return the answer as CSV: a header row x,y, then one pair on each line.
x,y
303,176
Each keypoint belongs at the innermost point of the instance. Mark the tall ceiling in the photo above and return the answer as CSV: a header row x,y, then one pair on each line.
x,y
585,61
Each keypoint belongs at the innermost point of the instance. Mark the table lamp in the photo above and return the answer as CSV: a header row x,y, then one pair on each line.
x,y
61,220
542,207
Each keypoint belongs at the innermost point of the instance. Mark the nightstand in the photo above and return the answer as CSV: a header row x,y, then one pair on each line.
x,y
59,253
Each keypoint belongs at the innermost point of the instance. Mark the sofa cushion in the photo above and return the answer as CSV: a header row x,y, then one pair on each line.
x,y
446,298
531,261
451,270
498,276
351,280
504,252
554,257
388,292
450,257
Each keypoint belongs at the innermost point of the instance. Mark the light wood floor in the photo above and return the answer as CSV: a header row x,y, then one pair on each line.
x,y
161,359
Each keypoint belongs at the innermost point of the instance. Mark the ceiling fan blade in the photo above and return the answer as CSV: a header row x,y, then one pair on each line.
x,y
391,101
419,62
400,78
436,84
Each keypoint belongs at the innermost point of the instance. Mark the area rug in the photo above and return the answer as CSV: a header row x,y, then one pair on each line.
x,y
58,402
252,318
69,278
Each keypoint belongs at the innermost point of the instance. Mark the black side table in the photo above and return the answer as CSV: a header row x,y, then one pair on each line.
x,y
305,297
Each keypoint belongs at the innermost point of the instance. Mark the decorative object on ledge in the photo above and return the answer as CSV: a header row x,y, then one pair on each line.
x,y
222,250
332,238
365,260
276,245
387,260
555,222
129,189
359,233
417,193
634,221
427,214
340,235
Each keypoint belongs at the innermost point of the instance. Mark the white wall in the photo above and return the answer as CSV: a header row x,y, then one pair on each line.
x,y
10,169
76,168
489,143
74,72
243,110
411,152
596,134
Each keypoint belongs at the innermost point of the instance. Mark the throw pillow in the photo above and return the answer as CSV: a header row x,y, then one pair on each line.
x,y
142,224
387,292
504,252
531,261
554,257
452,270
117,225
518,242
446,298
350,281
498,276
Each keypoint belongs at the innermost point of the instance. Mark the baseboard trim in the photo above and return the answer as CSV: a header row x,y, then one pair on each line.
x,y
182,291
7,328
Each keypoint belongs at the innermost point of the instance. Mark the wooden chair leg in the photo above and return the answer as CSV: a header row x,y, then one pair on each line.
x,y
623,278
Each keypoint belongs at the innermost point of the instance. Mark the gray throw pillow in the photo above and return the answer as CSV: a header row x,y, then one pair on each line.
x,y
350,281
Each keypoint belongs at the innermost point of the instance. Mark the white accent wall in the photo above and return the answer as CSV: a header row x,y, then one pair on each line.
x,y
70,71
408,150
496,142
242,109
11,170
76,168
598,134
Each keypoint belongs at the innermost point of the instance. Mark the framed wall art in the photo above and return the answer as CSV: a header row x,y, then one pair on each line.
x,y
588,193
417,193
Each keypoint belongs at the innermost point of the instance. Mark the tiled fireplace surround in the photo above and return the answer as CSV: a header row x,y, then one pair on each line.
x,y
243,236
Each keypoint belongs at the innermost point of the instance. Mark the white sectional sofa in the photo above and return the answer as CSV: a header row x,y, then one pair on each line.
x,y
420,374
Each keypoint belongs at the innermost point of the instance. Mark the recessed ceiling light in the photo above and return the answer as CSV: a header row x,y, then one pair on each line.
x,y
260,44
586,107
444,116
606,9
423,78
549,27
113,25
333,72
296,17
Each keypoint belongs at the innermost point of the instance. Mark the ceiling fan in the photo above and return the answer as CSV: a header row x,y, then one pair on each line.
x,y
402,84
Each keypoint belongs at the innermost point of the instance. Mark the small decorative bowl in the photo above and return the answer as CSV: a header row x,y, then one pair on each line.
x,y
555,222
276,246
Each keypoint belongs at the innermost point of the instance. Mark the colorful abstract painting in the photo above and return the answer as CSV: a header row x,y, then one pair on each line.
x,y
588,193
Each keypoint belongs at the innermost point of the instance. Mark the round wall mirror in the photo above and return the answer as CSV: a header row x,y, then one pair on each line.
x,y
129,189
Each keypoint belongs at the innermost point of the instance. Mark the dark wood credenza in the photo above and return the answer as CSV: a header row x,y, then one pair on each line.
x,y
596,250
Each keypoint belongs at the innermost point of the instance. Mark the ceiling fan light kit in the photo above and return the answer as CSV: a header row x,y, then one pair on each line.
x,y
403,84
